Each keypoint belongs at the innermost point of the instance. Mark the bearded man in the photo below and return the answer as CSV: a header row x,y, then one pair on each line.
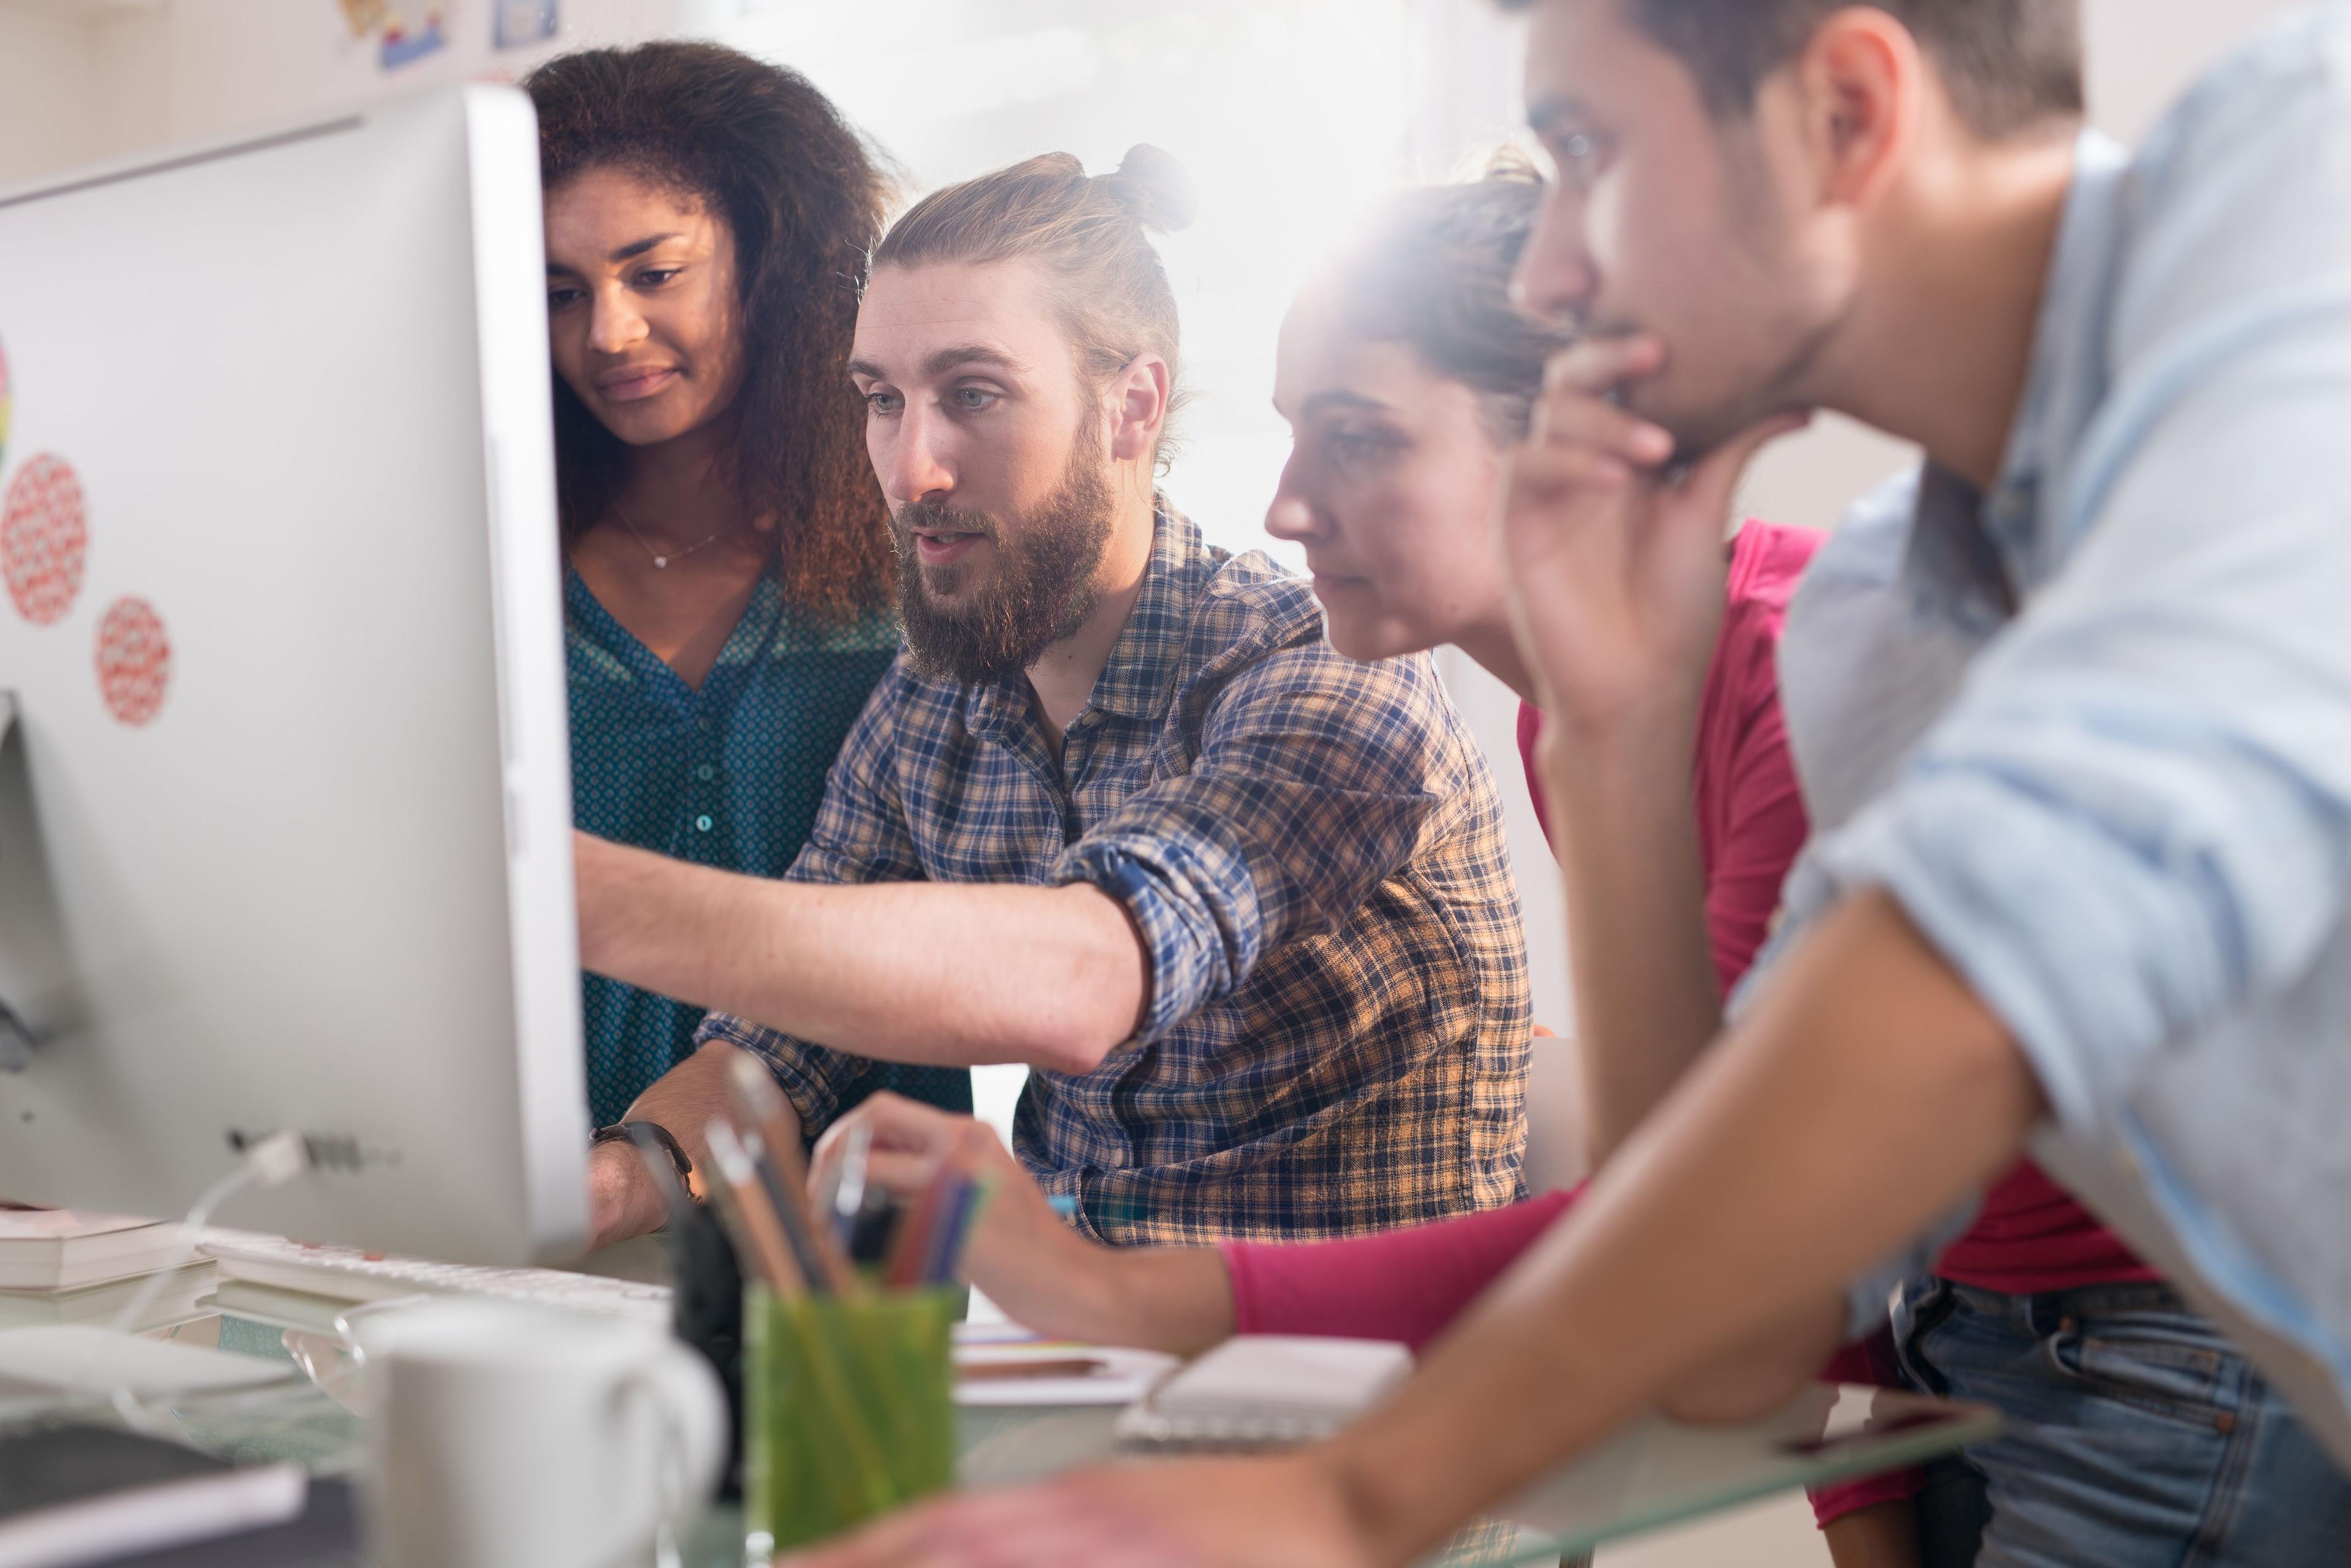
x,y
1119,812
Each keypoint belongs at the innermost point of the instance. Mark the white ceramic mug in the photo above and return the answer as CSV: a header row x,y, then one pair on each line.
x,y
509,1437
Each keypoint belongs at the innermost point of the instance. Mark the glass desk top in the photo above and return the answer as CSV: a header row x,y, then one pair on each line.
x,y
1651,1474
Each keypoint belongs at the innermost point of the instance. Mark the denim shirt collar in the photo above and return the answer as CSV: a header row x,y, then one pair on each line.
x,y
1974,554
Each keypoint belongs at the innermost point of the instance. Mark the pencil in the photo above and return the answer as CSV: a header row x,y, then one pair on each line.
x,y
754,1215
764,1106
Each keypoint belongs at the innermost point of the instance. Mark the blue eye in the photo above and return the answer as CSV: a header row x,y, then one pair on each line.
x,y
972,400
882,402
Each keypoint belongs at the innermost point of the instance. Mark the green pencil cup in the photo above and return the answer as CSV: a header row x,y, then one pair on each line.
x,y
848,1410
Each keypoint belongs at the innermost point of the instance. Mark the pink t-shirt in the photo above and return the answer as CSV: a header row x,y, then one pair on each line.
x,y
1751,813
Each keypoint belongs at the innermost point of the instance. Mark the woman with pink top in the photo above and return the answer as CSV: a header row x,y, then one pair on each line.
x,y
1407,376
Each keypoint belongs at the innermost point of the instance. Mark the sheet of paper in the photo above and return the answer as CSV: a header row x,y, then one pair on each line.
x,y
1121,1377
77,1358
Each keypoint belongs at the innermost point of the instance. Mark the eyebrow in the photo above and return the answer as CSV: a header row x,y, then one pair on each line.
x,y
955,356
1339,397
638,248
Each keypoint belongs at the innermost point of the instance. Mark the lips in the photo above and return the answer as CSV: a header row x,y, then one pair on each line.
x,y
632,383
943,548
1324,580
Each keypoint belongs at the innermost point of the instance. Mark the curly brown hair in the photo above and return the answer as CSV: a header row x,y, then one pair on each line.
x,y
805,198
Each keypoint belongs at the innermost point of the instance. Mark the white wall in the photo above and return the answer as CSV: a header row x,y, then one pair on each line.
x,y
48,88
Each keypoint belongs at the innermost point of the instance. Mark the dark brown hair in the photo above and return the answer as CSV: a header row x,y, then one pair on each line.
x,y
1433,273
2011,66
1111,289
768,154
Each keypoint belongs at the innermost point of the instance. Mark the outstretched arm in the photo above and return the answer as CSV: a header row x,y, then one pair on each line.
x,y
919,972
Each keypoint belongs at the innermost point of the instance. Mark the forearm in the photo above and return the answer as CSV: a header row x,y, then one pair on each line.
x,y
1049,1278
1869,1093
918,972
688,1098
1645,992
1176,1298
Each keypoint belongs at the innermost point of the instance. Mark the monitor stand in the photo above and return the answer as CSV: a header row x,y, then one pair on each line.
x,y
34,990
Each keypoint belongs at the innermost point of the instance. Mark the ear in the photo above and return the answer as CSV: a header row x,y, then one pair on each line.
x,y
1136,401
1859,93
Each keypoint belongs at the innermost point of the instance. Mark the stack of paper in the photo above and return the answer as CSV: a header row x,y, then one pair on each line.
x,y
181,1296
62,1249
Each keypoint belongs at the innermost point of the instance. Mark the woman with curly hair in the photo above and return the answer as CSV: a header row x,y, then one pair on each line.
x,y
727,576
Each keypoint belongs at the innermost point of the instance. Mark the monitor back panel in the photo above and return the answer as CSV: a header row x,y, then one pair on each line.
x,y
284,818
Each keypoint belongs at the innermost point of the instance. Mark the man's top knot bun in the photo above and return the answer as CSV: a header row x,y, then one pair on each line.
x,y
1155,186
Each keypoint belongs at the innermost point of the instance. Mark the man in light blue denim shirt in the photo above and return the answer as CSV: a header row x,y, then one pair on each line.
x,y
2091,728
2074,711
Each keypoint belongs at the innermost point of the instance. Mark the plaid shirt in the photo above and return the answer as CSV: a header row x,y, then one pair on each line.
x,y
1313,850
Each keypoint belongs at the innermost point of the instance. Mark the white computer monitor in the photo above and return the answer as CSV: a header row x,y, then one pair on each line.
x,y
285,808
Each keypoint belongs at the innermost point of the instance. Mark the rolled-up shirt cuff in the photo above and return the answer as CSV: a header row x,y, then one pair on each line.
x,y
2089,954
1187,951
812,1077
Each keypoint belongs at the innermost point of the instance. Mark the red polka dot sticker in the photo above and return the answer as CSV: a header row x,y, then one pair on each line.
x,y
135,660
44,539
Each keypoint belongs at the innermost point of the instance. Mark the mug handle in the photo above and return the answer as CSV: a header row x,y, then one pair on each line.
x,y
689,1426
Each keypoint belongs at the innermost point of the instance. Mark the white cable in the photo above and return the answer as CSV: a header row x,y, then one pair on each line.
x,y
273,1161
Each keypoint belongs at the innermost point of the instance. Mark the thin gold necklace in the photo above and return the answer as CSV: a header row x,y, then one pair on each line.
x,y
661,562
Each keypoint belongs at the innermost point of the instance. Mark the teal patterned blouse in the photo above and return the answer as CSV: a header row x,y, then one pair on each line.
x,y
730,775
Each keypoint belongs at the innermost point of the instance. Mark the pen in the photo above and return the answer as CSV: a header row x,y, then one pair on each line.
x,y
1008,1371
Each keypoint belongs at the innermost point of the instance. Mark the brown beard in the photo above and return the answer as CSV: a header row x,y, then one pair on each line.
x,y
1044,586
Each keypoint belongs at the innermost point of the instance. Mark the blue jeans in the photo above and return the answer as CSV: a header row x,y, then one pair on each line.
x,y
2136,1436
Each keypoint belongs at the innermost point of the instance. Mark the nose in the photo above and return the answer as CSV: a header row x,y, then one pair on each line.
x,y
1291,515
907,456
1555,280
614,325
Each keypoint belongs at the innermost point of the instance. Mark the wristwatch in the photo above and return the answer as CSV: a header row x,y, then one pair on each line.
x,y
618,1133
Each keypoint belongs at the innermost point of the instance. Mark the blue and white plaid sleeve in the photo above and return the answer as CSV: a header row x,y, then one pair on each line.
x,y
1312,786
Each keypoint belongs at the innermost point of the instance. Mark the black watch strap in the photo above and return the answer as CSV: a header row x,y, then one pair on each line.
x,y
618,1133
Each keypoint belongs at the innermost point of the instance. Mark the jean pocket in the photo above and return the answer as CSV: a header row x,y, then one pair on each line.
x,y
2164,1362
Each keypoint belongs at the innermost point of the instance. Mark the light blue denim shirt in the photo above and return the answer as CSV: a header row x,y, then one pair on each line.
x,y
2092,728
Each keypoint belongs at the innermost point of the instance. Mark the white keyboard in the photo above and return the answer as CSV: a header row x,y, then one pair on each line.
x,y
346,1273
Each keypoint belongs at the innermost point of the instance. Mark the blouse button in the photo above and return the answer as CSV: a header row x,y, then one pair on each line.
x,y
706,773
702,823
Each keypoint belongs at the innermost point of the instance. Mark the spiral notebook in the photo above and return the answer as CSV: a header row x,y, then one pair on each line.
x,y
1259,1391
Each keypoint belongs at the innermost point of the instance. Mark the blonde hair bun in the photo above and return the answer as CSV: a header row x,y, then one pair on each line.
x,y
1155,186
